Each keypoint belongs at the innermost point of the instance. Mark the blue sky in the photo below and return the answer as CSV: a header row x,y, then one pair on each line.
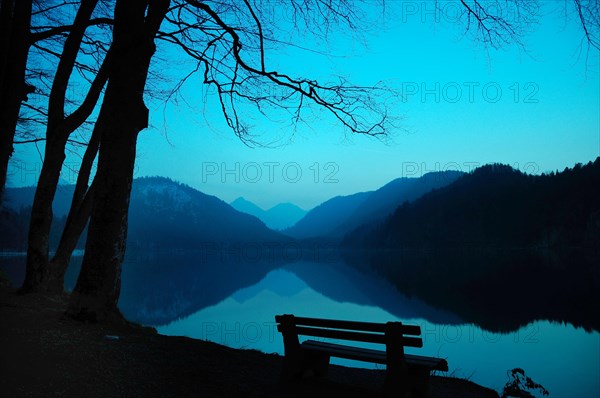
x,y
464,105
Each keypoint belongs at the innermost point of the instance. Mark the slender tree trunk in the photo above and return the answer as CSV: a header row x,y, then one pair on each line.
x,y
124,115
79,213
54,281
15,18
41,216
83,177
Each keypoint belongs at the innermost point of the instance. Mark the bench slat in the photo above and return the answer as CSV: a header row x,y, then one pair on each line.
x,y
348,352
341,334
429,362
370,355
355,336
411,330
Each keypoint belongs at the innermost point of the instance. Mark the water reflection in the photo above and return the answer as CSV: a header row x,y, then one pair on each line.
x,y
498,290
561,357
486,313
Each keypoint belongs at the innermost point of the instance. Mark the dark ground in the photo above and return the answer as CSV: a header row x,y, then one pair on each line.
x,y
43,355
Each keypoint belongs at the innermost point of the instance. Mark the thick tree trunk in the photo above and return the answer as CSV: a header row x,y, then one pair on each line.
x,y
15,17
6,18
124,115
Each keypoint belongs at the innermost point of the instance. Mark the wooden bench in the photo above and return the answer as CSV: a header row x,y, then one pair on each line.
x,y
405,373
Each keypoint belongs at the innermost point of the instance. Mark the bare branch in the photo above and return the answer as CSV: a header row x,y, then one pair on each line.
x,y
588,12
219,46
36,140
48,31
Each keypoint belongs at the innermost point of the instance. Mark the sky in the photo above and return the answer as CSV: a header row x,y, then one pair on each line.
x,y
461,105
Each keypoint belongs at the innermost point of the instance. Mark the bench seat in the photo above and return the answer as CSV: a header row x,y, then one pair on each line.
x,y
371,355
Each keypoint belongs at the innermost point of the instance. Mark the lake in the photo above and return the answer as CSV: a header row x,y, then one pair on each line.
x,y
232,299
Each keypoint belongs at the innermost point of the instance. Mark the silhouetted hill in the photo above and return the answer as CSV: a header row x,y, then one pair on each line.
x,y
324,219
14,227
497,206
382,202
164,213
15,198
278,217
340,215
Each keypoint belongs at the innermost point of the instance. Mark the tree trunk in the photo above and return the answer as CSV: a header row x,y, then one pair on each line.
x,y
79,213
15,17
41,216
57,132
83,177
54,280
124,115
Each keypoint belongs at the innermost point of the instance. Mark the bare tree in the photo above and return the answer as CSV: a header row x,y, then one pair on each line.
x,y
58,129
43,35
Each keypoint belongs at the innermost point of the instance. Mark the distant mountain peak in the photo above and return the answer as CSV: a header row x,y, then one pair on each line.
x,y
287,205
241,201
278,217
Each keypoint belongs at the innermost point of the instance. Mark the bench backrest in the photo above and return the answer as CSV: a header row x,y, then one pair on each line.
x,y
369,332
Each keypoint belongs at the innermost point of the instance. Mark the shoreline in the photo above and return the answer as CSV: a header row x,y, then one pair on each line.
x,y
44,354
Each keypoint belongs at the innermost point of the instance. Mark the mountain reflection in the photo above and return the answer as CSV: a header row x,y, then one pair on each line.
x,y
497,291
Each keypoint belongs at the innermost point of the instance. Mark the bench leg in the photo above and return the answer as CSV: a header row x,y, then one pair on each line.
x,y
318,362
396,381
305,364
292,368
407,382
419,378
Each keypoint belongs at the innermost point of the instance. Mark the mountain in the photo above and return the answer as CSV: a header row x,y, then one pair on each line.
x,y
15,198
278,217
340,215
497,206
162,214
165,213
382,202
284,215
324,219
245,206
15,214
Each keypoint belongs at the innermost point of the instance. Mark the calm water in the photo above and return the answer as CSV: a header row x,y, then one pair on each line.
x,y
233,301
